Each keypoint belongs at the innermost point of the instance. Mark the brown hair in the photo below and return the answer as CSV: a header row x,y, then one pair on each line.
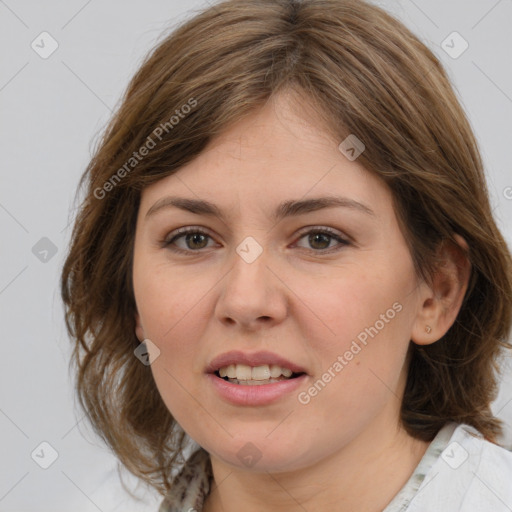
x,y
365,74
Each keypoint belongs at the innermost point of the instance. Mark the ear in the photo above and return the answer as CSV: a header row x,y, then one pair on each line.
x,y
441,301
139,331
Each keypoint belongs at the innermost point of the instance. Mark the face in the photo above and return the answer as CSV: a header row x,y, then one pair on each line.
x,y
327,291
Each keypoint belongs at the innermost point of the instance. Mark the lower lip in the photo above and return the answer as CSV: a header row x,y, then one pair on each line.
x,y
263,394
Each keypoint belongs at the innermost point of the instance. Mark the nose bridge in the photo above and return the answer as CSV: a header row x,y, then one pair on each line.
x,y
250,250
248,274
251,291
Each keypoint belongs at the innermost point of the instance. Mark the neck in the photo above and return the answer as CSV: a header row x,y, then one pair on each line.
x,y
362,476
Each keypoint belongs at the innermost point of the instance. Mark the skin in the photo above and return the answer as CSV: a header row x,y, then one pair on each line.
x,y
304,298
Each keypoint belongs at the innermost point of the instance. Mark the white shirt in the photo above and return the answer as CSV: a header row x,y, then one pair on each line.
x,y
460,471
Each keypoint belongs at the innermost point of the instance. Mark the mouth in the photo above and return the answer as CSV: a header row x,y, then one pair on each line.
x,y
246,375
254,379
253,369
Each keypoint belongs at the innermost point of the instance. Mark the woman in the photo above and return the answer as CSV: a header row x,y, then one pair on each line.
x,y
286,261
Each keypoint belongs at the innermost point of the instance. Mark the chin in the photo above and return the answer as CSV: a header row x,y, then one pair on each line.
x,y
259,454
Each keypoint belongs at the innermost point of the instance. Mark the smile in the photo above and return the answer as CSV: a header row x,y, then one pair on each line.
x,y
255,375
254,378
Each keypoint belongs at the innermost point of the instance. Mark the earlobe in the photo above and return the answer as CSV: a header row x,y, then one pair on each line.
x,y
441,302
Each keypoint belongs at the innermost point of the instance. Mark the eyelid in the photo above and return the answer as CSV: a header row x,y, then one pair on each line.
x,y
177,233
343,239
325,229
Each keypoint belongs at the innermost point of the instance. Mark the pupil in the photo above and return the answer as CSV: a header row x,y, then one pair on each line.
x,y
316,236
194,238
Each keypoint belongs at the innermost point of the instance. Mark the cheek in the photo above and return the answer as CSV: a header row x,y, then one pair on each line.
x,y
169,306
364,318
167,297
359,370
342,306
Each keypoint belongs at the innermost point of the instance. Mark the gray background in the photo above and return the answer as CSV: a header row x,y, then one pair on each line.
x,y
52,111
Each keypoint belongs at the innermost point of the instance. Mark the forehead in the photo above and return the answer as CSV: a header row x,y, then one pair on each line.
x,y
274,154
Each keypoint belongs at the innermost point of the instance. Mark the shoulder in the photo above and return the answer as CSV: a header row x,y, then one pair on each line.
x,y
471,475
492,477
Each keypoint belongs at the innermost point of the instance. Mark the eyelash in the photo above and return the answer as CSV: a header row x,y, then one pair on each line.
x,y
167,243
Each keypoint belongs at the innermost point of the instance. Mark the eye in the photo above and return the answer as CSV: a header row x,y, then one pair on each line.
x,y
195,239
320,239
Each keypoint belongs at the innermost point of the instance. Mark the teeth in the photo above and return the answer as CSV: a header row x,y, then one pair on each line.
x,y
255,373
286,372
231,371
254,382
260,372
275,371
243,372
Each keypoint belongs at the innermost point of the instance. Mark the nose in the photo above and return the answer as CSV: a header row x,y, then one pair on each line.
x,y
253,295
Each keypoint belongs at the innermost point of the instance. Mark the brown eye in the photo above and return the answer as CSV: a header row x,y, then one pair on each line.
x,y
320,240
193,240
196,240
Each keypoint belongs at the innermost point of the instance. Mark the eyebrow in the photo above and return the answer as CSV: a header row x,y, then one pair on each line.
x,y
285,209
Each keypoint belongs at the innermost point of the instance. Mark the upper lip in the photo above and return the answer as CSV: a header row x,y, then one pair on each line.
x,y
251,359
